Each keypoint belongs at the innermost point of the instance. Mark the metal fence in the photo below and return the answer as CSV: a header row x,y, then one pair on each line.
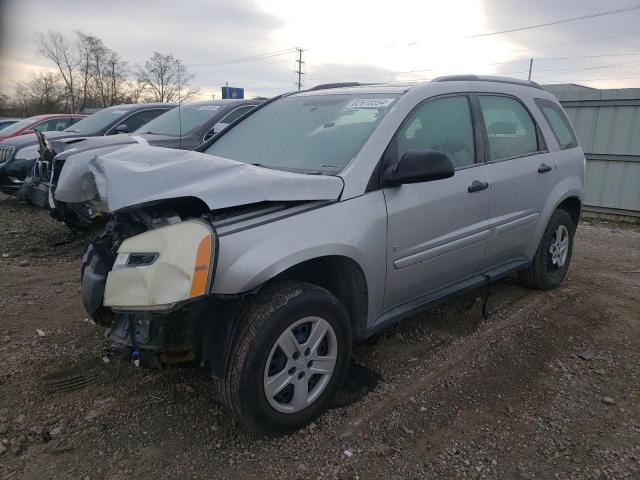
x,y
607,123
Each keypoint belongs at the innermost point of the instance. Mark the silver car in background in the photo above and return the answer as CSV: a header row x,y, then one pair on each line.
x,y
319,219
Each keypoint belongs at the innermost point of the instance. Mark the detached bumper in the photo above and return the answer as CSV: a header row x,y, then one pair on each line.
x,y
172,337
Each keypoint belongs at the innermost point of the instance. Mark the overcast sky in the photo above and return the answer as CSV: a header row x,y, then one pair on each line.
x,y
344,40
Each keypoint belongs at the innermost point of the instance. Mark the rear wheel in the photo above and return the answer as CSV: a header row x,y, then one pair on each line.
x,y
552,259
289,357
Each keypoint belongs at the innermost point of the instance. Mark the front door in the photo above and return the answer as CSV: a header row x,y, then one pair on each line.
x,y
437,231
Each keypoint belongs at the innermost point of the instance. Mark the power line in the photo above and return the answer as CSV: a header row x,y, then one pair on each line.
x,y
598,67
555,45
557,22
252,58
543,47
591,79
380,74
567,58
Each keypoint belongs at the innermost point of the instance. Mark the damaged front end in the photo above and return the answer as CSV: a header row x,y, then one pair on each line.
x,y
149,278
146,280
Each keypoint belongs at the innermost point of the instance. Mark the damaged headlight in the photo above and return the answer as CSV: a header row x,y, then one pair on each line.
x,y
161,267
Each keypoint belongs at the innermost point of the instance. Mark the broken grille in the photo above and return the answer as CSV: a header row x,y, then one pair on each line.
x,y
6,152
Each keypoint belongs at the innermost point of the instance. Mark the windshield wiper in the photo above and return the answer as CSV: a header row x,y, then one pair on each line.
x,y
71,130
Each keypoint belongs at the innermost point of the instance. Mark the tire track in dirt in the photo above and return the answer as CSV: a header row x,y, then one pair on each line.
x,y
456,354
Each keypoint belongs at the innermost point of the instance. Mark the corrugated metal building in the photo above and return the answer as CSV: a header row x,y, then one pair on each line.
x,y
607,123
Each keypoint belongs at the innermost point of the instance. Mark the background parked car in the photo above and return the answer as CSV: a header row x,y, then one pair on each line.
x,y
40,123
19,154
183,129
6,121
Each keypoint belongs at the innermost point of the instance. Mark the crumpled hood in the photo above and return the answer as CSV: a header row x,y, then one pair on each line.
x,y
71,146
139,174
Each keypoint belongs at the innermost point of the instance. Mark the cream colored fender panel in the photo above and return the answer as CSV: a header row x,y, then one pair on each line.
x,y
180,271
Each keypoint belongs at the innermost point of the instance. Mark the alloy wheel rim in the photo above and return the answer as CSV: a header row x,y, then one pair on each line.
x,y
559,247
300,364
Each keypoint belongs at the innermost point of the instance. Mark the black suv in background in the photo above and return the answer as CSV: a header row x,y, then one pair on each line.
x,y
184,128
19,154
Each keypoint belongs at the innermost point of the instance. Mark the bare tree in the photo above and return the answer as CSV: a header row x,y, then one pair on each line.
x,y
5,104
44,92
56,48
86,45
134,91
165,79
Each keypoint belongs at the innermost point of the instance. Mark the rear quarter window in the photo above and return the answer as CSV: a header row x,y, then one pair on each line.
x,y
558,122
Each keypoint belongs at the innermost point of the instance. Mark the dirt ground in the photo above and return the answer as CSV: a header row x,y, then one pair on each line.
x,y
547,387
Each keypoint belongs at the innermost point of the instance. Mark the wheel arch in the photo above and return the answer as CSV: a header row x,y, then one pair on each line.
x,y
566,195
340,275
573,206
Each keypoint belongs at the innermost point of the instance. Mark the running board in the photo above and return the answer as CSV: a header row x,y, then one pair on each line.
x,y
440,296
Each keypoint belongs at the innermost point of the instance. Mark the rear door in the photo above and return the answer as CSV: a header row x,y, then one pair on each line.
x,y
437,231
523,174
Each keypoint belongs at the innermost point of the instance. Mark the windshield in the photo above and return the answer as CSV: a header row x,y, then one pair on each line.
x,y
11,129
309,133
98,121
191,116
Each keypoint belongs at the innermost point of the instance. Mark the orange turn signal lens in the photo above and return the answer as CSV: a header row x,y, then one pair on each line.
x,y
201,270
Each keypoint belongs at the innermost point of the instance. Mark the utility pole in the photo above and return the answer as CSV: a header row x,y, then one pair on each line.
x,y
299,70
530,68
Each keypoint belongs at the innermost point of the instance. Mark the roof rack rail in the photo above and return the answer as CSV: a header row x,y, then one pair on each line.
x,y
487,78
326,86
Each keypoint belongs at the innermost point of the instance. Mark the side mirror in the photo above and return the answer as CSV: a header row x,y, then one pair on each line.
x,y
122,128
418,166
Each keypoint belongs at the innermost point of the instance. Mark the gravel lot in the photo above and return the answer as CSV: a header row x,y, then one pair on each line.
x,y
548,387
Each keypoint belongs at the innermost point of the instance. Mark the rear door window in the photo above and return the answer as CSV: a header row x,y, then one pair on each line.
x,y
558,122
510,129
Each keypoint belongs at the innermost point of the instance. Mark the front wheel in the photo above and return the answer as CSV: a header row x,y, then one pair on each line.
x,y
552,259
289,357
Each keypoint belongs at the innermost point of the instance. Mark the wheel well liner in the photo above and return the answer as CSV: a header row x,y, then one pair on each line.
x,y
573,206
343,277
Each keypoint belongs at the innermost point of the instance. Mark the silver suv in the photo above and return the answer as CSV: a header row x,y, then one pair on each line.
x,y
319,219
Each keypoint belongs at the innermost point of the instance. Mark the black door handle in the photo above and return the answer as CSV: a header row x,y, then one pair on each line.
x,y
544,168
477,185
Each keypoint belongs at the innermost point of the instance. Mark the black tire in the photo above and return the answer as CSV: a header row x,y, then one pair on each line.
x,y
274,309
542,274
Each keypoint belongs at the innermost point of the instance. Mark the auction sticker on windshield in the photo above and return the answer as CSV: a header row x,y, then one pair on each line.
x,y
368,103
209,107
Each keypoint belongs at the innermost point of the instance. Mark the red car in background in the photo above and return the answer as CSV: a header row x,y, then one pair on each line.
x,y
41,123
